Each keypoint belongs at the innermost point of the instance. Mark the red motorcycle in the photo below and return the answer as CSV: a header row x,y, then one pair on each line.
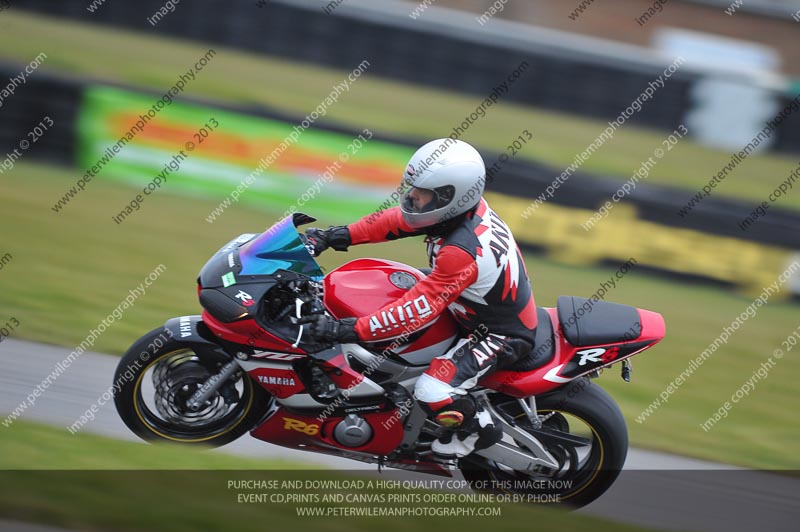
x,y
245,365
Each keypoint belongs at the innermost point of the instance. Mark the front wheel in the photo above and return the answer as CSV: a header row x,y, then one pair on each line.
x,y
584,431
157,376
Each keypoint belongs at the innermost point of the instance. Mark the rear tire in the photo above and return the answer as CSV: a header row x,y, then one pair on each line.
x,y
579,405
175,371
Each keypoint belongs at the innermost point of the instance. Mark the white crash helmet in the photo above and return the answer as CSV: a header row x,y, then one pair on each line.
x,y
456,174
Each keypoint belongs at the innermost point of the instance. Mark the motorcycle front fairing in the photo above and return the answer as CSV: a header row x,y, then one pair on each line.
x,y
233,283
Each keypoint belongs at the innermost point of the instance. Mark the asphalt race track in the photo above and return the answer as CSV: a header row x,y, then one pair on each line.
x,y
656,490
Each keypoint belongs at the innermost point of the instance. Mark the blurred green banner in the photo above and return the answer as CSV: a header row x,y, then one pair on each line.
x,y
133,137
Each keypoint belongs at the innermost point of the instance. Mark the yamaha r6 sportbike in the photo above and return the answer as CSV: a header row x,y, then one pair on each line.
x,y
245,365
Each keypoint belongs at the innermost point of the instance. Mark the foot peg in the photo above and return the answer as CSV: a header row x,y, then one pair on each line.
x,y
481,432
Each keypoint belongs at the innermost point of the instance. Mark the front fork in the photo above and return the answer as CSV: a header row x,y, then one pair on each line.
x,y
211,385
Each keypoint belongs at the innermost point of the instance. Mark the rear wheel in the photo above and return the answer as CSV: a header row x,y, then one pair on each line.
x,y
584,431
157,376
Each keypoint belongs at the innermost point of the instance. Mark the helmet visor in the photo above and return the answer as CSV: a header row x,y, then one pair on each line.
x,y
417,200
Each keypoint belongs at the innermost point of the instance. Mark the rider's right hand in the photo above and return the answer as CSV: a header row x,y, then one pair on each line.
x,y
327,329
318,240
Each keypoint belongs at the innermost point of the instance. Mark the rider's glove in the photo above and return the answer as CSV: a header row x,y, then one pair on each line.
x,y
326,329
318,240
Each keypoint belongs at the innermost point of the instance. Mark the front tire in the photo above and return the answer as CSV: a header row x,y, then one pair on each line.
x,y
587,469
158,374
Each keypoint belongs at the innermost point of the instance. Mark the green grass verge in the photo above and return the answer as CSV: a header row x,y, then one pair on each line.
x,y
112,54
177,501
70,270
56,449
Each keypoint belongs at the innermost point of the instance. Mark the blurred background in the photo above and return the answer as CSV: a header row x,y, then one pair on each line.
x,y
409,72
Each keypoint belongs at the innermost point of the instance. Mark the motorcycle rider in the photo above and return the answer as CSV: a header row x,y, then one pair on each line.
x,y
478,272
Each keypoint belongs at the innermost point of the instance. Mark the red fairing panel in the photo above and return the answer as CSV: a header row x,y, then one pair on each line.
x,y
291,430
247,332
281,383
653,327
340,372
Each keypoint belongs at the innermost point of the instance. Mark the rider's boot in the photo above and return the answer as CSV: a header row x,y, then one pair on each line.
x,y
471,428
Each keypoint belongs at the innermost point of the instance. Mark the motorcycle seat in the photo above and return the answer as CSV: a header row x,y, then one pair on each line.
x,y
602,323
544,346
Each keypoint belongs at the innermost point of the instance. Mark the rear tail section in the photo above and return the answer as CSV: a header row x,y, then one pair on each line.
x,y
586,335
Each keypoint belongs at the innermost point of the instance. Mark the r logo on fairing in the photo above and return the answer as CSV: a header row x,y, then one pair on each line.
x,y
590,355
246,299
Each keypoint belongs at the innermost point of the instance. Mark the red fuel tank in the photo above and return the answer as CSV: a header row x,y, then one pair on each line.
x,y
362,286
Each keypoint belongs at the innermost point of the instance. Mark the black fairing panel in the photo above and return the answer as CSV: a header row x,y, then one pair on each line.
x,y
602,323
191,331
187,329
221,306
224,261
227,304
